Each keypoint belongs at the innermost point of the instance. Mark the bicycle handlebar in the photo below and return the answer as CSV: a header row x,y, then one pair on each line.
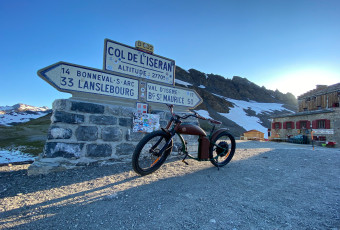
x,y
192,115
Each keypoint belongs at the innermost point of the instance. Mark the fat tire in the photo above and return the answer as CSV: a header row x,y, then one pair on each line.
x,y
231,146
136,164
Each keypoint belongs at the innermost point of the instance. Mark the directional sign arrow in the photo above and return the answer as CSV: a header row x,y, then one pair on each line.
x,y
172,95
67,77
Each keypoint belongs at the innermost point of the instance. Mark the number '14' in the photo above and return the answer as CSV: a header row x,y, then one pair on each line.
x,y
65,70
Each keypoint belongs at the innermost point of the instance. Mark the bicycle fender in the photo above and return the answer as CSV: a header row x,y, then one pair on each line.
x,y
218,132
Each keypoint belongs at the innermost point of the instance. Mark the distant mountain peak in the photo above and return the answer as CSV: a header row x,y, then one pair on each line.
x,y
20,113
20,107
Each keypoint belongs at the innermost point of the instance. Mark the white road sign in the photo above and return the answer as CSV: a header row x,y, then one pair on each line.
x,y
323,131
70,78
123,59
172,95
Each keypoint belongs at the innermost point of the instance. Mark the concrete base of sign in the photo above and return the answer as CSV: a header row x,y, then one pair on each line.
x,y
86,133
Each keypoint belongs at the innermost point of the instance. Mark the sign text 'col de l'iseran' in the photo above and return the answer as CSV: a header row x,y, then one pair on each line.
x,y
124,59
125,68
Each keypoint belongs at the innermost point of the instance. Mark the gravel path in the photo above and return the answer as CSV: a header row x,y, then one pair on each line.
x,y
266,186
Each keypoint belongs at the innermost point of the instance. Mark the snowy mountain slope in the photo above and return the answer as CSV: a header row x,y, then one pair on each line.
x,y
240,104
20,113
239,115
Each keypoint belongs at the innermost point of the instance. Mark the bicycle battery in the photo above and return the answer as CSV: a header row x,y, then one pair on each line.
x,y
203,148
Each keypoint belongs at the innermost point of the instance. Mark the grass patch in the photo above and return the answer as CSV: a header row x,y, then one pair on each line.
x,y
28,137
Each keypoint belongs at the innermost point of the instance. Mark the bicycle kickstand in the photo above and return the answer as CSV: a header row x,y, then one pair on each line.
x,y
186,154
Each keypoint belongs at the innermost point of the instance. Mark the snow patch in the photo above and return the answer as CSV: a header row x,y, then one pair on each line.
x,y
201,86
13,117
16,156
182,83
238,115
203,113
20,113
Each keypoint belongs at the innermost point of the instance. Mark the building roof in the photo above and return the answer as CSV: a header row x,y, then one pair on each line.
x,y
320,90
253,130
305,113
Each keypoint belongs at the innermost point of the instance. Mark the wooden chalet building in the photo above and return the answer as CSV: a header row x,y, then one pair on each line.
x,y
318,111
253,135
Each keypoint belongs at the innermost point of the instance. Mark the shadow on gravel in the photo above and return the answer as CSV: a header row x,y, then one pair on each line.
x,y
259,188
16,181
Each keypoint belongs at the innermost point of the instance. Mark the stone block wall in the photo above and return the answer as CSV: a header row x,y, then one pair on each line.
x,y
83,133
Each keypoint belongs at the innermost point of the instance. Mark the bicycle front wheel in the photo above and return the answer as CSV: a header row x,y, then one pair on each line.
x,y
151,152
222,149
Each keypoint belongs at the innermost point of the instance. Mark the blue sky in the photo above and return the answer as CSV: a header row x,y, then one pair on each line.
x,y
289,45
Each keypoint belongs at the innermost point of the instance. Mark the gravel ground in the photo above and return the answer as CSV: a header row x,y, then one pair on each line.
x,y
266,186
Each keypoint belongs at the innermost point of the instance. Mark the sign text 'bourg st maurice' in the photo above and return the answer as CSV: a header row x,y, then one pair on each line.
x,y
172,95
124,59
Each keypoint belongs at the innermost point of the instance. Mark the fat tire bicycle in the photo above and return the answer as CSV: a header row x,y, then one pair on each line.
x,y
153,149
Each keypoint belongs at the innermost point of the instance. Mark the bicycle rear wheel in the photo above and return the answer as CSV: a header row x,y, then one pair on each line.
x,y
222,149
151,152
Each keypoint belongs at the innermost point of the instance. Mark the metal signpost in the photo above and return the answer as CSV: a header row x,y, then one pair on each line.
x,y
127,60
70,78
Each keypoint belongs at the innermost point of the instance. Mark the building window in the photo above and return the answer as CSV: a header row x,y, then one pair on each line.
x,y
321,124
303,124
276,125
288,125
